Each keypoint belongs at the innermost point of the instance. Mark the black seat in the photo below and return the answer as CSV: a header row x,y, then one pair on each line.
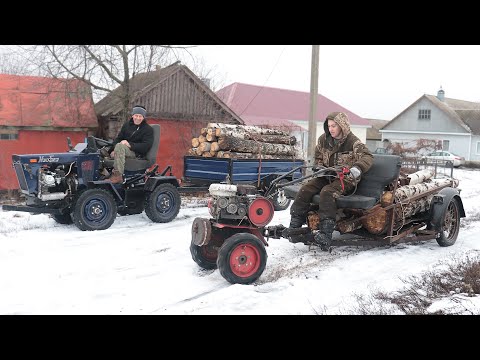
x,y
384,170
150,157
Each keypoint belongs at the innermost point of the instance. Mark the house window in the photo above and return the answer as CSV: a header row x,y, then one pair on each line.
x,y
445,145
424,114
8,136
478,148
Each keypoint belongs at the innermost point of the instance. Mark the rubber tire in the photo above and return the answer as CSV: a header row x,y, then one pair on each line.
x,y
65,219
199,256
452,214
229,246
103,197
164,190
277,206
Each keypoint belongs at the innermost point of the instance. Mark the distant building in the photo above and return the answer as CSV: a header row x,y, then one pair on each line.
x,y
287,109
374,137
176,99
455,124
37,114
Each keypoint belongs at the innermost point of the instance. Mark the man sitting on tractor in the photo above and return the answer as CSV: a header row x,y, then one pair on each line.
x,y
338,146
134,140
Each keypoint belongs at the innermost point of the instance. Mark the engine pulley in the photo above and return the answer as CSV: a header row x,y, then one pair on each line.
x,y
260,211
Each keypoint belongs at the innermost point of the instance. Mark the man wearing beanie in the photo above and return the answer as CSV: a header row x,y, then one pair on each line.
x,y
134,140
338,146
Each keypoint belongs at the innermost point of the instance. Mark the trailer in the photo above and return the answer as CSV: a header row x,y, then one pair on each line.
x,y
200,172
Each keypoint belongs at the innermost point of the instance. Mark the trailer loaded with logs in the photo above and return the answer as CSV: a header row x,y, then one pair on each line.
x,y
386,208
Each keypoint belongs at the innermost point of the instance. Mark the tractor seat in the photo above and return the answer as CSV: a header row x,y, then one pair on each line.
x,y
384,170
150,157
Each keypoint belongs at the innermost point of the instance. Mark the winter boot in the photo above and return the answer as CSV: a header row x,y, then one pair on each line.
x,y
116,177
296,221
323,237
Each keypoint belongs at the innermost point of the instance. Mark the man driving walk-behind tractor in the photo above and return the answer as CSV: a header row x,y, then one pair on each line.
x,y
338,146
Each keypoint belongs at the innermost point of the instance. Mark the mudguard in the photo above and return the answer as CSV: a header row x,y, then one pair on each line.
x,y
153,181
440,204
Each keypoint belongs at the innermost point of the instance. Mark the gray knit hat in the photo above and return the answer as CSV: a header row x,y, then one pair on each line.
x,y
139,110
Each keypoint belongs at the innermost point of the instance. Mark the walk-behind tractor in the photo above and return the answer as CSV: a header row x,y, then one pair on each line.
x,y
69,186
386,208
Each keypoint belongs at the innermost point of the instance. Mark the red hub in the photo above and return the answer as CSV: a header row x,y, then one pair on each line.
x,y
245,260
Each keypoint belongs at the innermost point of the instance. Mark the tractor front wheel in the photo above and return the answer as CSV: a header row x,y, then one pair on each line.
x,y
95,209
242,258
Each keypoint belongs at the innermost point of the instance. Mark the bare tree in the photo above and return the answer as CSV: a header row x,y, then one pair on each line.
x,y
12,63
103,67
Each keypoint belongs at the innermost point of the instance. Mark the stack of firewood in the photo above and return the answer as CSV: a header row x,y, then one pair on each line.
x,y
244,142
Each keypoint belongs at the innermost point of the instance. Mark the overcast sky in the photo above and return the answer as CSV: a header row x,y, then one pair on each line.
x,y
373,81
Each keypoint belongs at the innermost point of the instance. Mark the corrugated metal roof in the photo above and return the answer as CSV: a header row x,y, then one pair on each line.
x,y
143,83
42,101
274,104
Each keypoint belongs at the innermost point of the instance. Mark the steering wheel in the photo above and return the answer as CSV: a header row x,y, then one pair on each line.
x,y
102,142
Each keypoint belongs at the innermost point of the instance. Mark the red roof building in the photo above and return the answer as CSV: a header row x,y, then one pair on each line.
x,y
273,107
37,114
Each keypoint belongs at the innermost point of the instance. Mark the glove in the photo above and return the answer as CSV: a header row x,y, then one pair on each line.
x,y
356,172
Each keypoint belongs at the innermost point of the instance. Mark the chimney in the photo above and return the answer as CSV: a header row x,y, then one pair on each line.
x,y
441,94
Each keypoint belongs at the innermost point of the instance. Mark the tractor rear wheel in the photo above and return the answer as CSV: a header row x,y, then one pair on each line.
x,y
163,204
450,224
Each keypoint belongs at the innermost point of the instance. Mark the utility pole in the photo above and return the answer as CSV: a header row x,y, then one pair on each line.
x,y
312,124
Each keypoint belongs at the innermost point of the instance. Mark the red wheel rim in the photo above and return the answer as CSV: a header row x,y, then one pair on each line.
x,y
260,211
245,260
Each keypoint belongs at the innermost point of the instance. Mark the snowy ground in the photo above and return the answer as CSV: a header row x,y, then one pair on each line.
x,y
140,267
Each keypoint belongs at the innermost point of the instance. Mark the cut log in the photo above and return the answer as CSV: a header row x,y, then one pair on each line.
x,y
195,142
245,129
207,154
199,152
250,146
275,139
420,176
192,151
238,155
202,139
404,193
203,131
214,146
211,137
213,153
205,146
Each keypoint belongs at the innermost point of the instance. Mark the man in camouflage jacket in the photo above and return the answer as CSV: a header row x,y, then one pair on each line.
x,y
338,146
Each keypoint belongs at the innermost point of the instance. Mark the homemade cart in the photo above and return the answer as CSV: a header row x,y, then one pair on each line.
x,y
386,208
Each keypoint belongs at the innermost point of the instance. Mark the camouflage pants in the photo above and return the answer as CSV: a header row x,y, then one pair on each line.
x,y
122,152
328,193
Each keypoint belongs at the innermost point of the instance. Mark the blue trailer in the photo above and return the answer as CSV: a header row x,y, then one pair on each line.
x,y
199,172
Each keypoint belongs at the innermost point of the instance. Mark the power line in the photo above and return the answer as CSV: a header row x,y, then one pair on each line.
x,y
258,92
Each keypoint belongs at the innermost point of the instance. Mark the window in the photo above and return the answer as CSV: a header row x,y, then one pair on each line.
x,y
8,136
478,147
445,145
424,114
